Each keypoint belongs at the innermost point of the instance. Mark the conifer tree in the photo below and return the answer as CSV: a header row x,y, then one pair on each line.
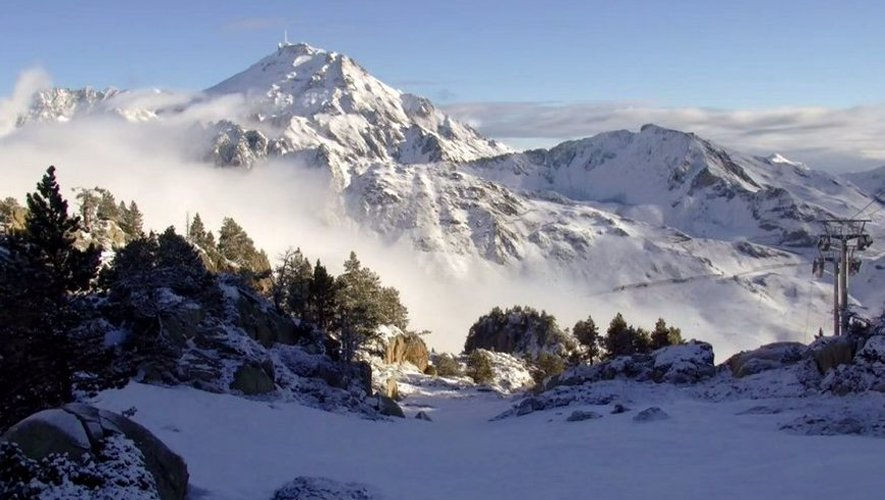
x,y
38,276
321,297
197,234
107,206
48,238
290,290
664,335
132,221
618,341
587,334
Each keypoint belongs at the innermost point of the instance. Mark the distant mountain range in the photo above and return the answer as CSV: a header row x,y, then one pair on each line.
x,y
635,215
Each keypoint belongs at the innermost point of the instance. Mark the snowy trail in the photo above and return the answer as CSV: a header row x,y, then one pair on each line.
x,y
244,449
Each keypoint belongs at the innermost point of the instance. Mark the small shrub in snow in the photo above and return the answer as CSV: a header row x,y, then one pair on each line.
x,y
548,365
447,366
479,367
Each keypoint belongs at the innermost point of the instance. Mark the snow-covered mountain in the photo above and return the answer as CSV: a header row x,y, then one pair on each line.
x,y
684,181
632,216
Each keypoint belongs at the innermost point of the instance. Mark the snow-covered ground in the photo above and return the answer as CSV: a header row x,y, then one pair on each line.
x,y
238,448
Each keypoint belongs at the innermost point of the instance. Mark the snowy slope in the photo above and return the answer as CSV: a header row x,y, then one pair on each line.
x,y
241,449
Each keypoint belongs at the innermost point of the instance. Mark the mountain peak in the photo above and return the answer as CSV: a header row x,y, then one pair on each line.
x,y
779,159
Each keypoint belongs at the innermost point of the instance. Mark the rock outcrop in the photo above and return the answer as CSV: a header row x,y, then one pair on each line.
x,y
520,331
321,488
767,357
400,347
80,431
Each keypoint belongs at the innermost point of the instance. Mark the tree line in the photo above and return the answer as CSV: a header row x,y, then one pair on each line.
x,y
53,290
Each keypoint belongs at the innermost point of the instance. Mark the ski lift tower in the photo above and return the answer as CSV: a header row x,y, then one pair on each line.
x,y
841,240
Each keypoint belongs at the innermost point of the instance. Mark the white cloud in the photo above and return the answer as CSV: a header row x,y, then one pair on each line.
x,y
825,138
28,83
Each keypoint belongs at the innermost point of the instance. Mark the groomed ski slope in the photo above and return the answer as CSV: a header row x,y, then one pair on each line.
x,y
238,448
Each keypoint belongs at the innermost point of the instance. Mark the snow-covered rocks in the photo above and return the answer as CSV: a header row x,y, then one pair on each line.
x,y
509,373
864,372
873,351
321,488
683,363
677,364
651,414
125,459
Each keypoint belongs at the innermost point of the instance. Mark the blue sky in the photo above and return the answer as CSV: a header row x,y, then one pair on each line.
x,y
680,53
801,78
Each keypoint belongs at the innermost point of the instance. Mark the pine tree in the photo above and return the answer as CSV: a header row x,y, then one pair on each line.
x,y
233,243
48,238
290,290
618,341
587,334
107,207
664,335
38,276
237,247
132,221
321,297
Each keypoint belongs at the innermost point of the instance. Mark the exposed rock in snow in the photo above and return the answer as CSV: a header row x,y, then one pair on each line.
x,y
321,488
767,357
873,351
580,416
650,415
393,346
850,421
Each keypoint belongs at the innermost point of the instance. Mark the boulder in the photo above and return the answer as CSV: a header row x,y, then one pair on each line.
x,y
580,416
683,363
767,357
830,352
321,488
50,431
252,379
388,407
873,351
391,390
77,430
619,408
422,415
650,415
261,322
399,347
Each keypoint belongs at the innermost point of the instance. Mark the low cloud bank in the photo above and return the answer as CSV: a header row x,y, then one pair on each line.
x,y
838,140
